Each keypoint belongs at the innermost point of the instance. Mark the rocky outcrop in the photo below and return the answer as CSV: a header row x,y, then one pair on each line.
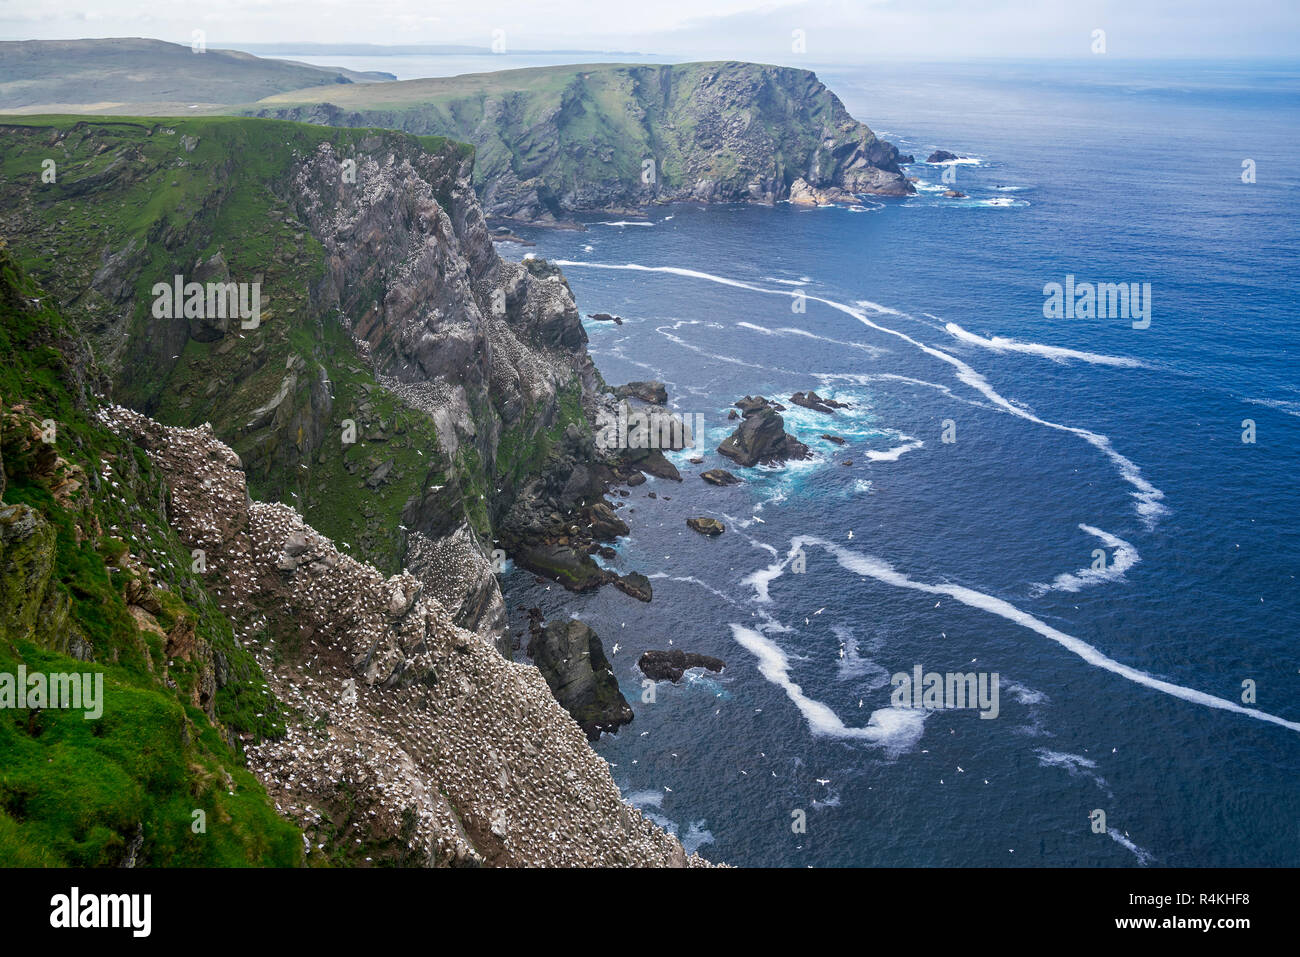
x,y
942,156
719,477
572,660
636,585
652,392
803,193
811,400
706,526
672,664
761,439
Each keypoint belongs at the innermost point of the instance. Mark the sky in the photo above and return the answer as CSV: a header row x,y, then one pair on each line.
x,y
770,30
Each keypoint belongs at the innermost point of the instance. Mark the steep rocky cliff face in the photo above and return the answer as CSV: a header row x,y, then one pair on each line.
x,y
269,699
402,383
554,140
408,740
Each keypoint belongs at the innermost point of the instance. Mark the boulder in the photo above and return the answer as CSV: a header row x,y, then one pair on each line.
x,y
636,585
811,400
671,665
761,439
706,526
651,391
719,477
605,525
572,660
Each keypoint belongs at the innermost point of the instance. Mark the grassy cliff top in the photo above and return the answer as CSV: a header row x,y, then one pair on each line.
x,y
44,76
538,81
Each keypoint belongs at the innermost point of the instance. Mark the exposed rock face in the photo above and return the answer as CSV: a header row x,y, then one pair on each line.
x,y
605,317
636,585
761,437
572,660
671,665
410,733
719,477
653,392
385,305
706,525
803,193
717,132
811,400
942,156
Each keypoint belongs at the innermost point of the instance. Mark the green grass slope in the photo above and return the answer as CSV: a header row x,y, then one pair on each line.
x,y
119,75
80,527
138,200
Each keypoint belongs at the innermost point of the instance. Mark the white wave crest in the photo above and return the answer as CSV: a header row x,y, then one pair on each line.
x,y
1148,497
1056,353
868,566
896,729
1125,556
892,455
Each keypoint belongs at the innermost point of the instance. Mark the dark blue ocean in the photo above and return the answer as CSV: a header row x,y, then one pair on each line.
x,y
1121,684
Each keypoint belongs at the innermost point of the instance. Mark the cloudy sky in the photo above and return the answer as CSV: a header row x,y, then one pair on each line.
x,y
752,29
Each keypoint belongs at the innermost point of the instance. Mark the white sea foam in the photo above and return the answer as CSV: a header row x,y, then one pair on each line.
x,y
1124,557
852,664
869,566
645,799
1056,353
1148,497
1143,856
795,331
1024,694
892,455
1075,765
1288,406
873,306
896,729
696,836
623,222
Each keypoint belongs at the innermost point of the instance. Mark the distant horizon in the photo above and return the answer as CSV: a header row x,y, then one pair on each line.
x,y
759,30
270,49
